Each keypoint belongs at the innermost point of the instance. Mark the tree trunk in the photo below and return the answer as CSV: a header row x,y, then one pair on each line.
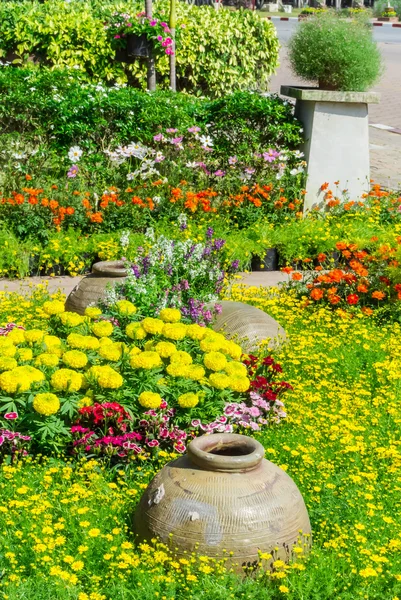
x,y
151,79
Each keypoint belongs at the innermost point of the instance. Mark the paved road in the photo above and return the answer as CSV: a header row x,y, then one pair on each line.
x,y
385,149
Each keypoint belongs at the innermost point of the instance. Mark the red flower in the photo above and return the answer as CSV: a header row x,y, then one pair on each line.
x,y
353,299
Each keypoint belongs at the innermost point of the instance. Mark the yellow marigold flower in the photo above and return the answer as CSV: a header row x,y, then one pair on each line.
x,y
110,352
215,361
182,357
196,332
153,326
24,354
92,312
20,379
106,377
170,315
105,341
135,331
233,350
82,342
53,307
177,370
175,331
7,348
134,350
46,404
195,372
150,400
57,350
239,384
66,380
85,401
71,319
102,328
236,369
219,381
75,359
188,400
165,349
16,336
51,340
146,360
47,360
125,307
211,344
7,363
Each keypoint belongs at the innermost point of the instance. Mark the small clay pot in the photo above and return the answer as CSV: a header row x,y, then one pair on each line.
x,y
92,288
224,500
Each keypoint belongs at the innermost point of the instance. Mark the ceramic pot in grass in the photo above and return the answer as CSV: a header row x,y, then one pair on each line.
x,y
223,499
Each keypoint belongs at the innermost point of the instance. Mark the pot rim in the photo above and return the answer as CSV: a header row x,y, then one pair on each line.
x,y
211,452
114,268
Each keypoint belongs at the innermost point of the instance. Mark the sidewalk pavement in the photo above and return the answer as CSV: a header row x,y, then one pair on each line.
x,y
67,284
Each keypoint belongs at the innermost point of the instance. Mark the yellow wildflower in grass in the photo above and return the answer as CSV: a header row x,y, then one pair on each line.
x,y
135,331
126,308
47,360
182,357
170,315
66,380
93,312
46,404
71,319
153,326
53,307
175,331
165,349
146,360
105,376
215,361
188,400
102,328
75,359
150,400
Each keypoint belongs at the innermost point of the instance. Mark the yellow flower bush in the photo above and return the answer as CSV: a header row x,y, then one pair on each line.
x,y
53,307
20,379
93,312
47,360
7,363
16,336
126,308
71,319
105,376
135,331
150,400
181,357
215,361
146,360
165,349
219,380
82,342
175,331
153,326
66,380
46,404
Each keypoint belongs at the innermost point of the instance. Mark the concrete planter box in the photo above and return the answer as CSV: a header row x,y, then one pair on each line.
x,y
272,7
336,132
287,8
388,19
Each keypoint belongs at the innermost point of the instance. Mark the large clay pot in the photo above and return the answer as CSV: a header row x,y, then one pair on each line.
x,y
223,497
91,289
248,325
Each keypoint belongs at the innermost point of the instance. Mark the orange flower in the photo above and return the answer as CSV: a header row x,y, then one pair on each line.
x,y
53,204
362,288
86,203
324,186
54,187
291,206
28,177
341,246
70,210
316,294
45,202
367,311
75,193
378,295
296,276
96,217
321,257
334,299
287,270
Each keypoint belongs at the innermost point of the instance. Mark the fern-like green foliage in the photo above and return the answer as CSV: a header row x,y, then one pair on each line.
x,y
337,54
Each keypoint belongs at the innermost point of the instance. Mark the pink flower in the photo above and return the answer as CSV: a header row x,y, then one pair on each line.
x,y
171,130
159,38
219,173
11,416
163,24
117,37
1,440
153,443
160,137
153,22
168,41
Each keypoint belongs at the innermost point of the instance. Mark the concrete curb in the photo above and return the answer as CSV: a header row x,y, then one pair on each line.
x,y
380,24
374,23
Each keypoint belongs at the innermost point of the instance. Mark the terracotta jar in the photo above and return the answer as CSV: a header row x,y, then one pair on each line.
x,y
223,497
92,288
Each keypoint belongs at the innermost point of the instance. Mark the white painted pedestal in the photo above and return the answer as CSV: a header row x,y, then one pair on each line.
x,y
336,132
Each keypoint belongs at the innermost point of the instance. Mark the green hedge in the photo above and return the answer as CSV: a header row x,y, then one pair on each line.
x,y
60,110
219,51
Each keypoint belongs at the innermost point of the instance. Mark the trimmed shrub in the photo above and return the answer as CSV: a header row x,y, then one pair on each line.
x,y
337,54
219,51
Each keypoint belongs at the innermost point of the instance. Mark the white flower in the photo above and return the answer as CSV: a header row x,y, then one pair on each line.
x,y
191,165
74,154
124,239
157,199
150,233
206,140
296,171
